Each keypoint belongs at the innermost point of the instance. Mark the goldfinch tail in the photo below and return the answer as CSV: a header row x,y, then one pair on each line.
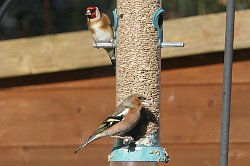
x,y
111,53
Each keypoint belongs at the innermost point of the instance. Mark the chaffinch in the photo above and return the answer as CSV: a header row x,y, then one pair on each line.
x,y
122,120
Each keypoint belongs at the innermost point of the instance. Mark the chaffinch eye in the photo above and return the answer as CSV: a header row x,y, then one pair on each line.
x,y
141,98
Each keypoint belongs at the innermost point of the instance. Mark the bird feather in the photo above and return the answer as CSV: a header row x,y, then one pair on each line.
x,y
107,123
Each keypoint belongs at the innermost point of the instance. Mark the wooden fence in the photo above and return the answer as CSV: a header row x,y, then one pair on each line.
x,y
44,117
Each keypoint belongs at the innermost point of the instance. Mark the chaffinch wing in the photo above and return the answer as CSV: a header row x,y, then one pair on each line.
x,y
122,120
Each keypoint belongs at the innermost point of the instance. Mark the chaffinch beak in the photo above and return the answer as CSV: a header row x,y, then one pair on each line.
x,y
88,13
145,103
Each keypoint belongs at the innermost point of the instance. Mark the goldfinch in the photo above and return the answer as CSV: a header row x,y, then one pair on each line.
x,y
101,30
122,120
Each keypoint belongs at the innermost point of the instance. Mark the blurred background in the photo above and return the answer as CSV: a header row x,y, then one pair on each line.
x,y
39,17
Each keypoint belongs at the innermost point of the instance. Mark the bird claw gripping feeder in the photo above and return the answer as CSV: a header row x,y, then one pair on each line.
x,y
138,42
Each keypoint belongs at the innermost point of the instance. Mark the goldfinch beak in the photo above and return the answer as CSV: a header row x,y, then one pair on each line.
x,y
88,13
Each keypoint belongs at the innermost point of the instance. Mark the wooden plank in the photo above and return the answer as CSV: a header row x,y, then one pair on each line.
x,y
203,74
202,34
30,156
192,114
205,33
68,116
53,117
49,54
205,154
180,154
193,75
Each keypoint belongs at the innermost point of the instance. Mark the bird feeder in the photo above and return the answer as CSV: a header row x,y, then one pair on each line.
x,y
139,39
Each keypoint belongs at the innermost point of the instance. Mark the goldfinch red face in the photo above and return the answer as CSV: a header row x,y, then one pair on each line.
x,y
91,12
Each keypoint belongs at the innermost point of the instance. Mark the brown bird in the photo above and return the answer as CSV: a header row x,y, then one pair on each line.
x,y
101,30
122,120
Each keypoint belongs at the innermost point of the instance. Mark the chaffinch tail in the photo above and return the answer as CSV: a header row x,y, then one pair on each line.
x,y
101,30
122,120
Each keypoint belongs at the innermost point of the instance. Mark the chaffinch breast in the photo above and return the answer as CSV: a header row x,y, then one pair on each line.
x,y
101,30
122,120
